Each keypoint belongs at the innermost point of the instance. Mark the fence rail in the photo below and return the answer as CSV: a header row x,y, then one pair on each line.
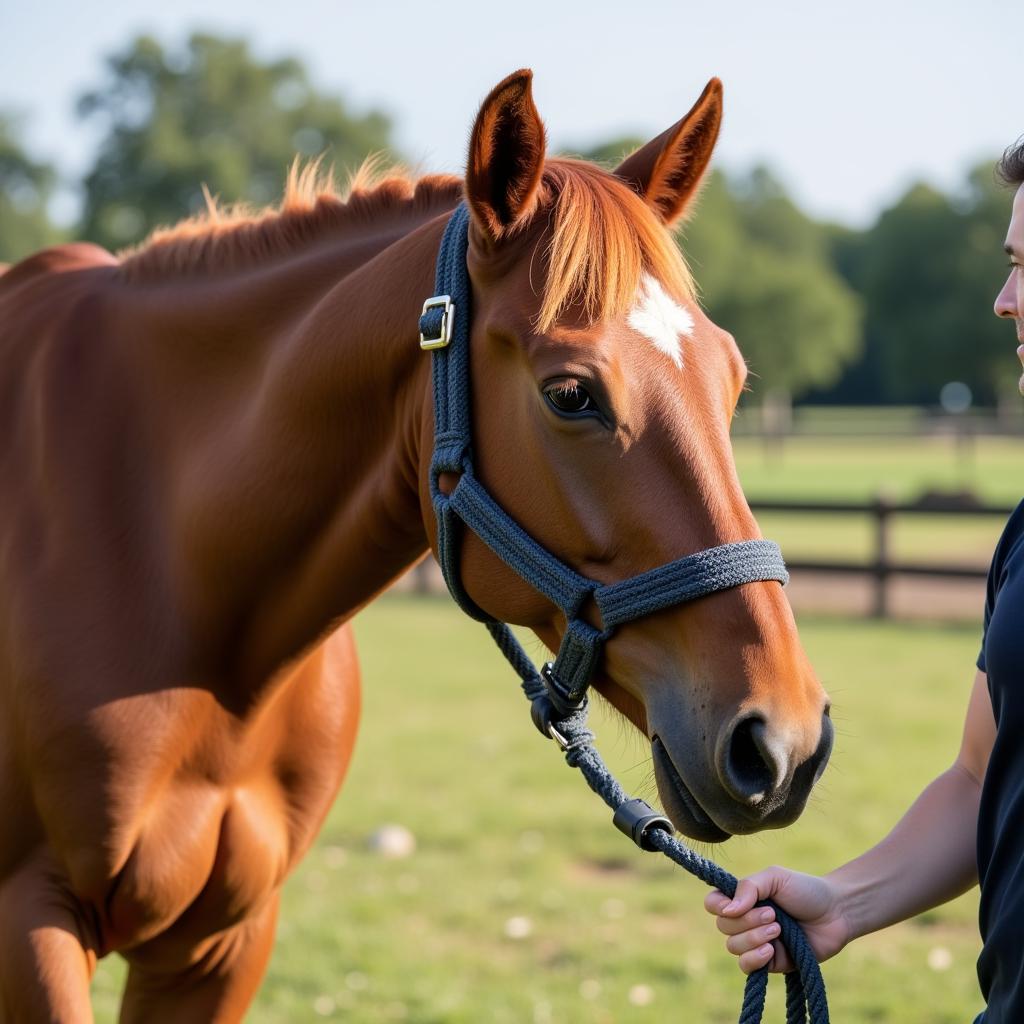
x,y
881,566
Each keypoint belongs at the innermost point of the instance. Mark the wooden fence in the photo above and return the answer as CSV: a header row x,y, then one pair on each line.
x,y
881,566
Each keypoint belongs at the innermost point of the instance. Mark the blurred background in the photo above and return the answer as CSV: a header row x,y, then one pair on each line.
x,y
850,237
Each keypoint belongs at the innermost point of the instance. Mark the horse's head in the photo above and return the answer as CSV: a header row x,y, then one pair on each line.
x,y
602,397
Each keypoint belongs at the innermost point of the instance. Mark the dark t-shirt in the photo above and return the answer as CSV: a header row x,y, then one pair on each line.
x,y
1001,815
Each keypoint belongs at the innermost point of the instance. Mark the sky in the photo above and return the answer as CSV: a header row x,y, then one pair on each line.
x,y
847,103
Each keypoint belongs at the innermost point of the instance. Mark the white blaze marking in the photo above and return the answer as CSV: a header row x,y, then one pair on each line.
x,y
661,319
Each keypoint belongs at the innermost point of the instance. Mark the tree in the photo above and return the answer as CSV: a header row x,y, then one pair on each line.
x,y
928,270
609,154
766,276
211,114
25,188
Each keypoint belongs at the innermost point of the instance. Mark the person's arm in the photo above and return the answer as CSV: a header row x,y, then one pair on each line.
x,y
927,859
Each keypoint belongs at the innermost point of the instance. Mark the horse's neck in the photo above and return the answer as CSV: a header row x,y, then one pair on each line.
x,y
296,479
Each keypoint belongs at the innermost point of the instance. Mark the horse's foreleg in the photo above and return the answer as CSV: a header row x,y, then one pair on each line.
x,y
47,948
217,988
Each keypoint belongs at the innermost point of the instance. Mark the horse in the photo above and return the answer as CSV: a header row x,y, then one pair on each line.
x,y
214,450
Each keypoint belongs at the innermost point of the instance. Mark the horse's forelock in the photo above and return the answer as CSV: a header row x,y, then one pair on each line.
x,y
603,239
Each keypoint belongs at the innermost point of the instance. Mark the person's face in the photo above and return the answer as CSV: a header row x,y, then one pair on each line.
x,y
1010,301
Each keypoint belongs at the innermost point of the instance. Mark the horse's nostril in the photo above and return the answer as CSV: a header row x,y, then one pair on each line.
x,y
749,767
820,757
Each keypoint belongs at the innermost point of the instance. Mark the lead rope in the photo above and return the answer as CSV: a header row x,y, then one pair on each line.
x,y
805,987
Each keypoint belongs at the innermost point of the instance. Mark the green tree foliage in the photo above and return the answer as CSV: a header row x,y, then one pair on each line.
x,y
211,114
25,188
765,274
929,269
609,153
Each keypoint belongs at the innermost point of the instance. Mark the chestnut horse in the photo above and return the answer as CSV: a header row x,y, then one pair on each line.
x,y
214,451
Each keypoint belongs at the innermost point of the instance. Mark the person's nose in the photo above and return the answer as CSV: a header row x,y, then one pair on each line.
x,y
1006,300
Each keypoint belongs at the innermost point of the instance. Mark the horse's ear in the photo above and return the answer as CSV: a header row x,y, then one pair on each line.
x,y
506,157
667,171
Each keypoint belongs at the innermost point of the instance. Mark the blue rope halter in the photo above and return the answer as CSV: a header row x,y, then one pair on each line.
x,y
557,694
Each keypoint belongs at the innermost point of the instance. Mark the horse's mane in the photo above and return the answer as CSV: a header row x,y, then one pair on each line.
x,y
603,236
225,238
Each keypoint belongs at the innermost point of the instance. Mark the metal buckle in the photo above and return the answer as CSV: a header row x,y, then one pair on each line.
x,y
447,322
561,699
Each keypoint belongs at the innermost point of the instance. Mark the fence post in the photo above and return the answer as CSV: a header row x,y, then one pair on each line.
x,y
882,511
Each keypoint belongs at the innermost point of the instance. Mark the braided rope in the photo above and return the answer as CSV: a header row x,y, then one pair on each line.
x,y
805,987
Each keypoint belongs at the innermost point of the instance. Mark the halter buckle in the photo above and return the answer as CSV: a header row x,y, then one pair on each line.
x,y
443,340
565,702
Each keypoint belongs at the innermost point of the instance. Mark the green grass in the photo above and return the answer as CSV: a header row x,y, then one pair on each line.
x,y
901,467
506,831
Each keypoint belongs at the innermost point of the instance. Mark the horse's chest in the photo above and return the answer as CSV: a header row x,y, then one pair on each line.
x,y
174,820
206,857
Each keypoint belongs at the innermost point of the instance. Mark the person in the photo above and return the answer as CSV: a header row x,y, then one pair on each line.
x,y
967,826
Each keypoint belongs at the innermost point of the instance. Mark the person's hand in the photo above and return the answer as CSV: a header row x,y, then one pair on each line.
x,y
753,931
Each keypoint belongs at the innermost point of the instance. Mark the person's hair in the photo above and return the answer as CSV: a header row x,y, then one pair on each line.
x,y
1010,169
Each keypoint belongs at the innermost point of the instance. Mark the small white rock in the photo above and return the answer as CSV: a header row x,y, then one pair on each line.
x,y
641,995
393,842
940,958
324,1006
519,927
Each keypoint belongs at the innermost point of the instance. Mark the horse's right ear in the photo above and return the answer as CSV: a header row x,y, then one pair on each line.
x,y
506,157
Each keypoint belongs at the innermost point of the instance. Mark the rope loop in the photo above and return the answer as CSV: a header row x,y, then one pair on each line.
x,y
806,1001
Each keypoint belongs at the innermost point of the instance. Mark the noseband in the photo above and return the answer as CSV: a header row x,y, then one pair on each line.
x,y
558,694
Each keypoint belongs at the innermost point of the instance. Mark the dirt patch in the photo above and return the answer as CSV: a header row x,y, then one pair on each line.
x,y
907,597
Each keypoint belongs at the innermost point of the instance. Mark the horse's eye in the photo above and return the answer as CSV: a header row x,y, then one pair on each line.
x,y
568,398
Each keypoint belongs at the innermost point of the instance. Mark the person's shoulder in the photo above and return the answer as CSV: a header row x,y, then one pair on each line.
x,y
1013,535
1015,524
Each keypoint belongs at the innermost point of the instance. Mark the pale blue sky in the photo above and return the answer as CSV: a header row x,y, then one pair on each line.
x,y
849,103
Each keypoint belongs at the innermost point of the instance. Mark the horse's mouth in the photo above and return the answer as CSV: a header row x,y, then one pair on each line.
x,y
680,804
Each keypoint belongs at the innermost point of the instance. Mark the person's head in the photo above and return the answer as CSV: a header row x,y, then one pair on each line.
x,y
1010,300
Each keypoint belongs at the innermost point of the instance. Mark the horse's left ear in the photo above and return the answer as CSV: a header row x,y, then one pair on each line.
x,y
506,157
668,170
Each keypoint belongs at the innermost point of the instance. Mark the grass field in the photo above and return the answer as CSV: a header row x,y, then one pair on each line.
x,y
523,904
901,467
